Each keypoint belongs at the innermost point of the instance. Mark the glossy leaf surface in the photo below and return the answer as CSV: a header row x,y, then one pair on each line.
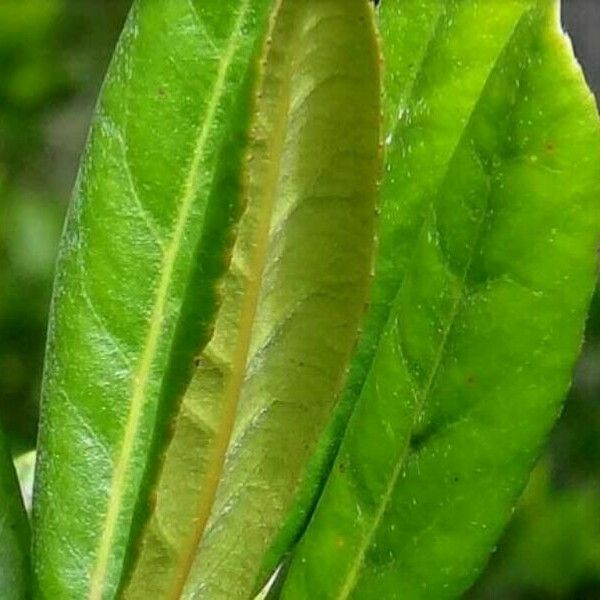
x,y
136,228
489,228
15,577
293,299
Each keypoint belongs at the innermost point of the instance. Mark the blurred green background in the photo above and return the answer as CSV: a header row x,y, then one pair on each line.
x,y
53,54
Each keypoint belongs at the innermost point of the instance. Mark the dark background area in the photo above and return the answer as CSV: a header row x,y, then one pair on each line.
x,y
53,54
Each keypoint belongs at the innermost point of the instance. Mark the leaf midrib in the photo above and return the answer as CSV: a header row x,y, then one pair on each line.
x,y
248,314
142,376
352,577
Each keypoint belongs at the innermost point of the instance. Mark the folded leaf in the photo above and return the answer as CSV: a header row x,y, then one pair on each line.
x,y
490,218
293,299
155,191
15,577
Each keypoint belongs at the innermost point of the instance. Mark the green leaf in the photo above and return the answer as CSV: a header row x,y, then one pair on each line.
x,y
293,299
14,532
156,188
486,266
531,556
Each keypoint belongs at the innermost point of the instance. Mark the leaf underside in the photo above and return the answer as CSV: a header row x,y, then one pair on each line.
x,y
485,268
293,298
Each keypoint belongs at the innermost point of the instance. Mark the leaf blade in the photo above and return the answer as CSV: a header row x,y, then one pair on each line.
x,y
123,271
14,532
417,534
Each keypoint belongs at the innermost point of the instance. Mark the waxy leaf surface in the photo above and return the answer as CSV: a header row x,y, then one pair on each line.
x,y
293,300
486,264
15,579
156,188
